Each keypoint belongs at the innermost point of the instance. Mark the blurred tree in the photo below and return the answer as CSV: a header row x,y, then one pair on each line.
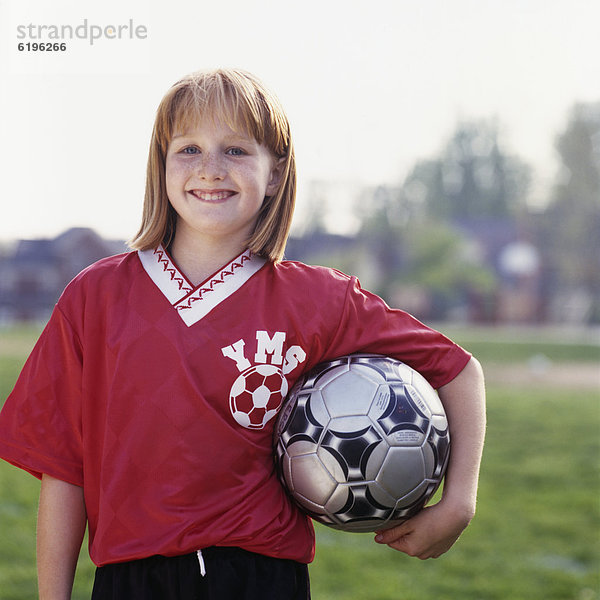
x,y
315,210
443,262
424,265
382,222
571,234
473,177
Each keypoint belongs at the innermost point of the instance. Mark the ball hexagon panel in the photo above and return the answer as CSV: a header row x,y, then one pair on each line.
x,y
402,470
404,424
311,480
350,394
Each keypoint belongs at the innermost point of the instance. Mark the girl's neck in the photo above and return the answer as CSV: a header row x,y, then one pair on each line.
x,y
199,259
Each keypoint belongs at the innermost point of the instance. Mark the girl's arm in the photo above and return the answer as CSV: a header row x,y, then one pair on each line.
x,y
60,530
434,530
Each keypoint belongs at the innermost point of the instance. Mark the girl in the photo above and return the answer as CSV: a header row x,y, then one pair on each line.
x,y
123,407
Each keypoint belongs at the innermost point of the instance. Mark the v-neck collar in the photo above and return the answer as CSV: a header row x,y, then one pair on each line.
x,y
194,302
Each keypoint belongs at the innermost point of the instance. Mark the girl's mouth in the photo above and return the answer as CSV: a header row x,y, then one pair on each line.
x,y
211,195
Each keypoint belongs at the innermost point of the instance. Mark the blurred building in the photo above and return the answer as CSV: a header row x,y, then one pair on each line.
x,y
35,272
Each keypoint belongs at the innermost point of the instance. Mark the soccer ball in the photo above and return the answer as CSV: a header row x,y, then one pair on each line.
x,y
256,395
362,442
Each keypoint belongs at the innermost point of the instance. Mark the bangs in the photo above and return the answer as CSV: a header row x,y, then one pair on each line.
x,y
228,97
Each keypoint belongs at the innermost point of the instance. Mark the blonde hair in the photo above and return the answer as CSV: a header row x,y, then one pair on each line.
x,y
241,101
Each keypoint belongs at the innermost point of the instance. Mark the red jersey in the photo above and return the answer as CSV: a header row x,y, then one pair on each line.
x,y
159,397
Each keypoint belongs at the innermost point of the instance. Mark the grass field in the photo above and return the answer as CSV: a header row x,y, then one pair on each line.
x,y
536,535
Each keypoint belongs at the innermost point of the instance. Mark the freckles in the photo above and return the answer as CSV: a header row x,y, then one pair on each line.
x,y
178,168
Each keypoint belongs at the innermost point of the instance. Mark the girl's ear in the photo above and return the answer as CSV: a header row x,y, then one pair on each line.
x,y
276,176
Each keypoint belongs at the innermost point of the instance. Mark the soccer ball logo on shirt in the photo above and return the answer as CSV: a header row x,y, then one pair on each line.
x,y
257,393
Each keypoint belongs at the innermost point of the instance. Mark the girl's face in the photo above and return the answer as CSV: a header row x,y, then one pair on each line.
x,y
217,179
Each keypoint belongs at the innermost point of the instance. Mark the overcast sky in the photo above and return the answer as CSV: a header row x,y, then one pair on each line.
x,y
370,87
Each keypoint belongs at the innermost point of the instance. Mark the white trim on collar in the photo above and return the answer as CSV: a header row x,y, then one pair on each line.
x,y
195,302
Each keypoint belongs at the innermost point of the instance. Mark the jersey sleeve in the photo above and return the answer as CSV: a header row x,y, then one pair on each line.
x,y
40,423
369,325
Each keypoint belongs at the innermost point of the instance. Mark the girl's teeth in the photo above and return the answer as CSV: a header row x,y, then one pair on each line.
x,y
211,196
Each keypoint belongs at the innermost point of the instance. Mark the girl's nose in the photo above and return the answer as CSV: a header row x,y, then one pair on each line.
x,y
211,167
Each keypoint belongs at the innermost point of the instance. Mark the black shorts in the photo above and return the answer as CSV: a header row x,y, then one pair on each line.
x,y
230,573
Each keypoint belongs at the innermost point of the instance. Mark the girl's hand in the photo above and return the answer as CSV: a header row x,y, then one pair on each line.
x,y
428,534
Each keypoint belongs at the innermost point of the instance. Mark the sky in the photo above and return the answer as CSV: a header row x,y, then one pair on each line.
x,y
369,88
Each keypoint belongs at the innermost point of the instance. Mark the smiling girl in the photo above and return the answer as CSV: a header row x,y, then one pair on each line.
x,y
124,410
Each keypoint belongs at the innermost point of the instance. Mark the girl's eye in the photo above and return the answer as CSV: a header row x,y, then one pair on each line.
x,y
235,152
190,150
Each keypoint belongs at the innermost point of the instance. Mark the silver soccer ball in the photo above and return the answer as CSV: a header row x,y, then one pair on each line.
x,y
362,442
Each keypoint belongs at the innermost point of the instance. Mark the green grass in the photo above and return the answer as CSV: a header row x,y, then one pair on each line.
x,y
536,535
510,345
504,352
